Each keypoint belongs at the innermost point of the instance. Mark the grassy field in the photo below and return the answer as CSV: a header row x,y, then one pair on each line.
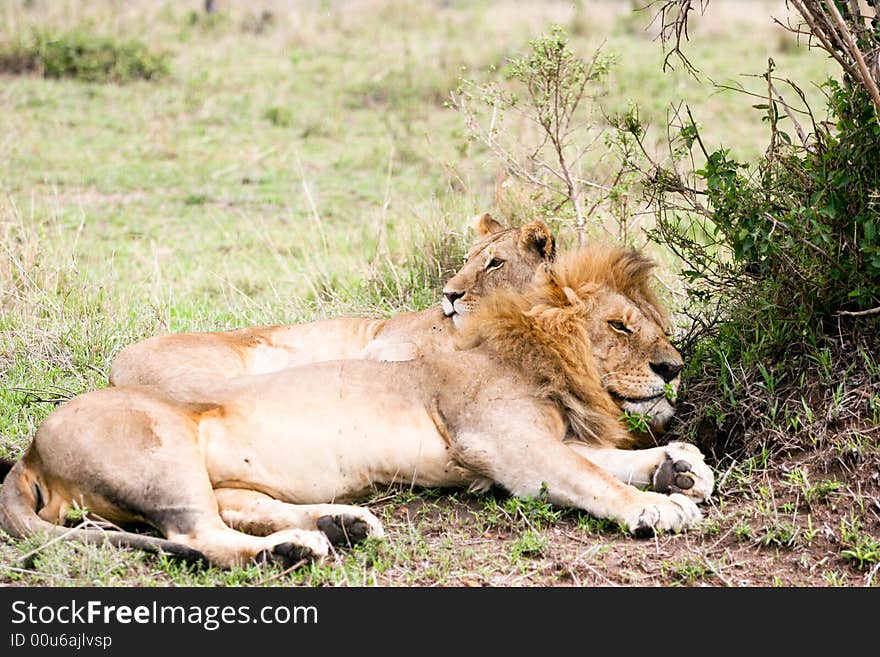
x,y
299,162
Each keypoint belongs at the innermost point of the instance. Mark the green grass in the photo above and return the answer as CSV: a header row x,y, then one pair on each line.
x,y
285,170
689,570
860,547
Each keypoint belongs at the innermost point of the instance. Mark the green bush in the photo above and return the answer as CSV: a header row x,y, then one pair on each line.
x,y
788,246
82,55
805,221
782,257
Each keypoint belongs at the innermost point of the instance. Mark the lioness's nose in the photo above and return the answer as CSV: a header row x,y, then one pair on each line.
x,y
667,369
452,297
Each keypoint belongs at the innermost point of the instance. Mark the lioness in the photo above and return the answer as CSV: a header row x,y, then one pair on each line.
x,y
251,473
185,362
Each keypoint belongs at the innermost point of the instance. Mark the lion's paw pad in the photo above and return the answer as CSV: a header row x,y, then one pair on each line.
x,y
673,476
684,471
286,555
344,529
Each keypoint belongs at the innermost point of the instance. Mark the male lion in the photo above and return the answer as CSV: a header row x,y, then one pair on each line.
x,y
530,404
182,363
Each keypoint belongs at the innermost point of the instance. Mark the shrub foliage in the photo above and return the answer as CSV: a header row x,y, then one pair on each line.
x,y
82,55
782,257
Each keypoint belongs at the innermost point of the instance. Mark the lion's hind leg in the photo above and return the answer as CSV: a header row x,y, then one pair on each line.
x,y
227,547
255,513
182,506
128,456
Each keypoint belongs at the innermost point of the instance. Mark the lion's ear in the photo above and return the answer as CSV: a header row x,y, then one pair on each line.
x,y
537,237
571,296
548,281
484,224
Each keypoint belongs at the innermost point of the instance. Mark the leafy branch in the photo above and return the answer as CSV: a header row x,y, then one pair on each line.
x,y
556,85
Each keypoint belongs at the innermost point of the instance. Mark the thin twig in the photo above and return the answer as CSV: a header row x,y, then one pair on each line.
x,y
284,572
794,121
869,578
860,313
676,28
696,132
97,369
741,90
60,537
51,397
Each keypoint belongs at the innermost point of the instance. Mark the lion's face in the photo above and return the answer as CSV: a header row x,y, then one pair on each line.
x,y
638,365
501,258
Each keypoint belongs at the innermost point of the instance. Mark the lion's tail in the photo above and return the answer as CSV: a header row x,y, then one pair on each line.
x,y
18,516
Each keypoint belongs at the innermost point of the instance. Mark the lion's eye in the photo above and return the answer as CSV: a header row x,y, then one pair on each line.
x,y
464,260
494,263
618,326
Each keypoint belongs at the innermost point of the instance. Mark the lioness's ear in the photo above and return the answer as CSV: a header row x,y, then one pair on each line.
x,y
484,224
537,236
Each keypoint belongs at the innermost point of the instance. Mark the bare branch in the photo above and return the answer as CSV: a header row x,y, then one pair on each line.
x,y
697,132
868,81
820,34
860,313
673,17
788,112
781,101
857,18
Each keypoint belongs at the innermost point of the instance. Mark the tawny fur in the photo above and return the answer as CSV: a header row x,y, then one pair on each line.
x,y
275,453
544,332
185,364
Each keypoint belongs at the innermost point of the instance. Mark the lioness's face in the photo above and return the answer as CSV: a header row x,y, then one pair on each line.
x,y
638,365
501,258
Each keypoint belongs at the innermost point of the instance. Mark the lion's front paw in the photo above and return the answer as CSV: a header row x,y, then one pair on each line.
x,y
684,471
673,513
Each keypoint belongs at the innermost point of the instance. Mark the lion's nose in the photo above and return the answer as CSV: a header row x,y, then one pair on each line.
x,y
667,369
452,297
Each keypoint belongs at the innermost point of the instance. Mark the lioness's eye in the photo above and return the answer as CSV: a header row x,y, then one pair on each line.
x,y
618,326
494,263
464,260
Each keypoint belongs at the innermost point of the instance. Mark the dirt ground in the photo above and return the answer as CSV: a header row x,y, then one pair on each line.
x,y
759,532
